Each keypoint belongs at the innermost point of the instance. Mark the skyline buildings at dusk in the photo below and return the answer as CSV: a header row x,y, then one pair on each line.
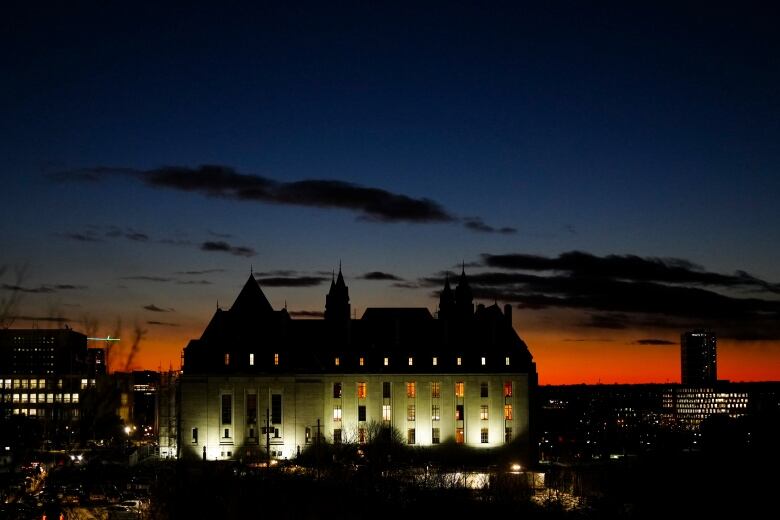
x,y
612,175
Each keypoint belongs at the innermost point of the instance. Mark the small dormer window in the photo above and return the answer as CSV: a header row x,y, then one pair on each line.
x,y
337,361
276,359
362,361
506,361
411,361
227,358
458,361
251,359
435,361
483,361
387,361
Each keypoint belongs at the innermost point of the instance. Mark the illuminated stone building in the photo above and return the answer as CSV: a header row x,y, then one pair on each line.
x,y
463,377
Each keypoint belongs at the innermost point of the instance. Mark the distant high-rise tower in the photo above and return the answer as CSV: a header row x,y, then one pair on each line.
x,y
698,349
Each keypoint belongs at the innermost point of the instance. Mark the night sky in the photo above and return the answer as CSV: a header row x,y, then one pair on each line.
x,y
611,171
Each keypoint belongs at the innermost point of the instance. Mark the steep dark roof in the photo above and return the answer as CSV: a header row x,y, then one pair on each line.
x,y
251,299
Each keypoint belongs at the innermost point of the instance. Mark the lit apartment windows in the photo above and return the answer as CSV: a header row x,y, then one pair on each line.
x,y
276,359
336,390
483,412
508,389
483,361
337,413
386,413
436,389
410,436
336,361
435,361
435,436
411,361
251,359
459,437
459,412
361,361
458,361
227,409
361,390
483,389
84,383
362,413
411,389
459,389
276,408
411,412
387,361
386,390
227,358
194,435
507,412
435,412
483,436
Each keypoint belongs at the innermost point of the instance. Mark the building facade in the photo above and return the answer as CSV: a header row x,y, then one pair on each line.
x,y
258,382
699,357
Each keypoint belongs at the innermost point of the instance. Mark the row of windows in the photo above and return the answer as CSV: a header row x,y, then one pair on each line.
x,y
362,360
41,412
411,389
40,398
411,435
226,409
411,412
42,384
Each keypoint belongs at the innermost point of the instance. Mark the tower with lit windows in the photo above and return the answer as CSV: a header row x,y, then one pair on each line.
x,y
698,357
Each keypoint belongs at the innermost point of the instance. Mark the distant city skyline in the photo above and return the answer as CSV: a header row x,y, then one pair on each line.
x,y
612,174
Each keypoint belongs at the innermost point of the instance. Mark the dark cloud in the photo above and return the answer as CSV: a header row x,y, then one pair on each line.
x,y
280,272
81,237
292,281
219,235
477,224
42,289
201,272
227,248
379,275
145,278
193,282
225,182
655,341
306,314
162,323
51,319
154,308
626,291
128,233
406,285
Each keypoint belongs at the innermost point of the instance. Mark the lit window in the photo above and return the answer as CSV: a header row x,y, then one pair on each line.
x,y
506,361
435,361
411,361
483,412
411,389
337,413
227,359
435,412
410,436
361,390
483,436
436,389
507,412
459,389
387,361
458,361
459,414
33,398
276,360
483,361
411,412
34,383
435,436
362,361
386,413
251,359
459,437
508,389
337,361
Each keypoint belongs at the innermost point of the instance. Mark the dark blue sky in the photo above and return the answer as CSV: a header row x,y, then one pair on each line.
x,y
613,129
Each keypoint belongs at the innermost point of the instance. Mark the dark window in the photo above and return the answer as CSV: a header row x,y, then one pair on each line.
x,y
386,389
251,409
337,436
435,436
227,409
251,433
483,436
508,434
483,389
361,413
276,409
459,412
227,433
195,435
337,390
411,437
307,435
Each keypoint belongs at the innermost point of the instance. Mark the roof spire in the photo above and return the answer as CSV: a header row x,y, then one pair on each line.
x,y
463,268
339,265
251,269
